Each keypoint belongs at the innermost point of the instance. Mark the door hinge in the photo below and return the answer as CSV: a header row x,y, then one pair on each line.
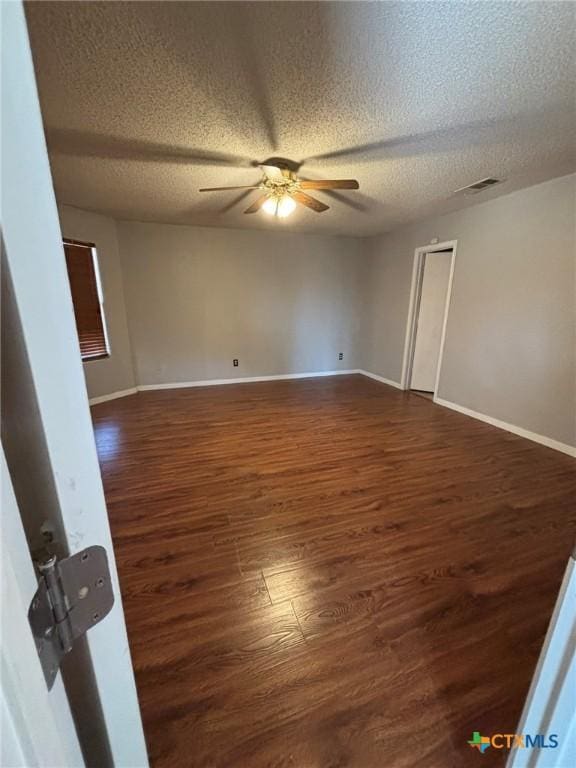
x,y
73,595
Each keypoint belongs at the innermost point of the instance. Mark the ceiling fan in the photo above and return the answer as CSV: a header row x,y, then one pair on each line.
x,y
281,190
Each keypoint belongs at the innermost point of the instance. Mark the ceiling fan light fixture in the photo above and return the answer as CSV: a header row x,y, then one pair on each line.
x,y
279,206
281,190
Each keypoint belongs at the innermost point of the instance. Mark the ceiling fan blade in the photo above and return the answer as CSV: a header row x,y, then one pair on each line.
x,y
224,189
310,202
257,204
330,184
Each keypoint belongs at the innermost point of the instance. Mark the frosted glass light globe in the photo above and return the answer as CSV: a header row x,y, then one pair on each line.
x,y
286,206
270,206
279,206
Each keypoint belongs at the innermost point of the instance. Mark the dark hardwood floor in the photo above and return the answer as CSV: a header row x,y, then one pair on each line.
x,y
328,572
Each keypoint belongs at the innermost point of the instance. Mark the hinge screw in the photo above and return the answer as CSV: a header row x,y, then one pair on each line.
x,y
46,564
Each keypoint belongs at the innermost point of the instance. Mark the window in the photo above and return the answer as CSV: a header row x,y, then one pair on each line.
x,y
87,299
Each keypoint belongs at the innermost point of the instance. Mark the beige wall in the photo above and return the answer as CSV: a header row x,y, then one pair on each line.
x,y
115,373
510,341
198,297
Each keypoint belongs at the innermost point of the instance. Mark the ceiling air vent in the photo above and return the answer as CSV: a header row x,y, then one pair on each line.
x,y
478,186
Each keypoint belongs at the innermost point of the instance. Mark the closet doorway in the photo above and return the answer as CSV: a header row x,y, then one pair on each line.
x,y
429,302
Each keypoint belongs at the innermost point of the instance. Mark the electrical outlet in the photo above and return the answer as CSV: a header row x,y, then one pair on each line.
x,y
340,356
235,363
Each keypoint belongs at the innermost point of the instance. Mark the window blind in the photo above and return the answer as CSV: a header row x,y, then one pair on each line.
x,y
80,261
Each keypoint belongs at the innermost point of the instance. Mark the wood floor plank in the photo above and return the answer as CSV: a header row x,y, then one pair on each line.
x,y
329,572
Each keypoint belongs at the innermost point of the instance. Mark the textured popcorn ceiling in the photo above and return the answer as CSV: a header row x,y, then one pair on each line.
x,y
145,102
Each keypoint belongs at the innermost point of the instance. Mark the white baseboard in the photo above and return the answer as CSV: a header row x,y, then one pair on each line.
x,y
240,380
244,380
520,431
113,396
381,379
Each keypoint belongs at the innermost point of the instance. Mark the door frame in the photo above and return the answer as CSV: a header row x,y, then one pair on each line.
x,y
414,308
50,450
549,706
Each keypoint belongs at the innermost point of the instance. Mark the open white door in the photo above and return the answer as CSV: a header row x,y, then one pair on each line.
x,y
429,323
24,695
48,441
